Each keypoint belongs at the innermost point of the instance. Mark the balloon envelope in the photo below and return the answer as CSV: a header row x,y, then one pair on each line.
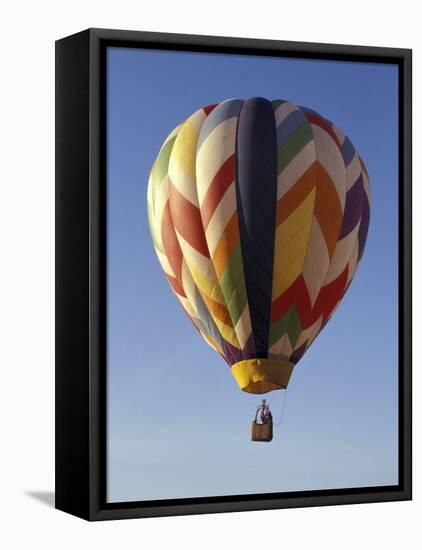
x,y
259,213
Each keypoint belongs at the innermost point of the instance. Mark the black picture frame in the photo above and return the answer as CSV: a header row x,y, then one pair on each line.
x,y
81,274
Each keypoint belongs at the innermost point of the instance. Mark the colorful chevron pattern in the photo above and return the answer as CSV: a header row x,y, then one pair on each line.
x,y
259,213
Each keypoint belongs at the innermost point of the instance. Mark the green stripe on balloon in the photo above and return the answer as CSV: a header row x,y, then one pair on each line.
x,y
232,284
157,178
288,324
296,142
162,162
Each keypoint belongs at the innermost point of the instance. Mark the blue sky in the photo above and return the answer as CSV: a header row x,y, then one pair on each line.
x,y
178,426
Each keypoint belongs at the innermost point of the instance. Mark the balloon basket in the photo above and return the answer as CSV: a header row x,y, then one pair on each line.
x,y
262,432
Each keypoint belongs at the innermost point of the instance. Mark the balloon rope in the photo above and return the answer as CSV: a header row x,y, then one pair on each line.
x,y
282,410
305,373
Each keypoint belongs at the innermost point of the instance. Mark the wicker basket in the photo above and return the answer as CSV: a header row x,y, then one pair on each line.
x,y
262,432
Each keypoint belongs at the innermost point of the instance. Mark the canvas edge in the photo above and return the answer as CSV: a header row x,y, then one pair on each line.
x,y
72,366
94,506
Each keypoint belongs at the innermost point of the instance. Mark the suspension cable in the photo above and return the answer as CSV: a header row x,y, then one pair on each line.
x,y
283,410
306,371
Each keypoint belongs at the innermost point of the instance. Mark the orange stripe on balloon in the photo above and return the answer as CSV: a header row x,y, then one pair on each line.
x,y
187,220
226,245
219,185
328,209
218,311
297,194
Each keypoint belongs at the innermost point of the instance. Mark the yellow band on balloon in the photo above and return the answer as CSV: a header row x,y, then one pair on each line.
x,y
262,375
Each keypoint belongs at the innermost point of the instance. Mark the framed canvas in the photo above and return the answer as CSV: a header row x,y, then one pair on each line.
x,y
233,274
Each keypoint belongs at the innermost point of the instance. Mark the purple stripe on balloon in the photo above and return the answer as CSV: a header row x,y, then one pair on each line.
x,y
352,207
364,224
289,125
249,348
231,353
298,354
234,355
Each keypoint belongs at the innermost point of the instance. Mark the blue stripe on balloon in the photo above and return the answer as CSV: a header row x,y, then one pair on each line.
x,y
223,111
256,193
348,151
205,321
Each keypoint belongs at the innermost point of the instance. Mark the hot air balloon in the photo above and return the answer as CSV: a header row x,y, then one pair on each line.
x,y
259,212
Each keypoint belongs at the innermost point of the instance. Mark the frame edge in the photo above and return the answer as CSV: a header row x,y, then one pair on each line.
x,y
72,262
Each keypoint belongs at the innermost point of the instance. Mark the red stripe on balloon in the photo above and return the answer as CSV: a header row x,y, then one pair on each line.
x,y
318,121
282,304
303,302
187,220
328,297
209,108
219,185
175,285
296,295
